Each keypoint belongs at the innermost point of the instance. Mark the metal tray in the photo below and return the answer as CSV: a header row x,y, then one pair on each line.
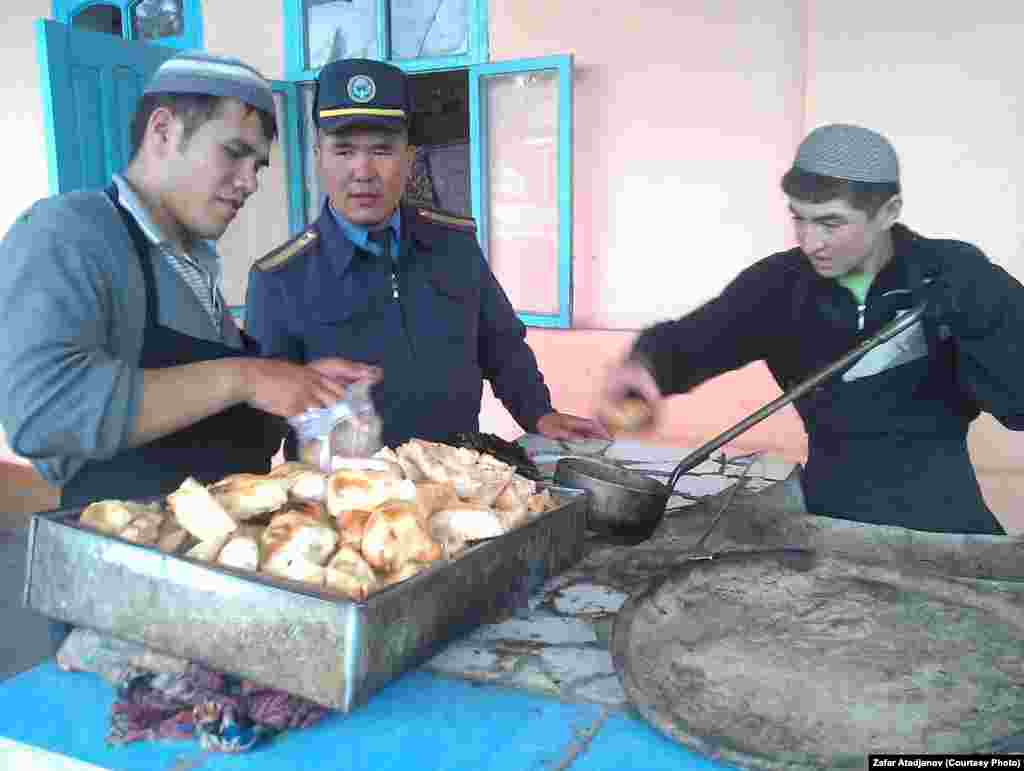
x,y
283,634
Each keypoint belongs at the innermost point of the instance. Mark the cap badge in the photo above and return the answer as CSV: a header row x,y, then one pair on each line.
x,y
361,89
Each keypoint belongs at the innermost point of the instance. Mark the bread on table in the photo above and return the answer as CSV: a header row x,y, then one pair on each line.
x,y
144,529
352,527
109,517
408,570
431,497
458,524
294,534
364,489
197,511
303,482
207,551
394,536
242,549
245,496
349,574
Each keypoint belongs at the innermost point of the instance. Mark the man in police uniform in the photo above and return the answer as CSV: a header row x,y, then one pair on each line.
x,y
404,287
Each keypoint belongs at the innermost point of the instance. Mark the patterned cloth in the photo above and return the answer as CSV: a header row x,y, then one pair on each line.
x,y
183,700
223,713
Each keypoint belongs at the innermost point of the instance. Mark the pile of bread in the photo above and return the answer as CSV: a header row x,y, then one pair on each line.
x,y
369,524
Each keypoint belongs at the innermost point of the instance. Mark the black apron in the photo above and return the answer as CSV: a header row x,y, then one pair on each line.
x,y
241,439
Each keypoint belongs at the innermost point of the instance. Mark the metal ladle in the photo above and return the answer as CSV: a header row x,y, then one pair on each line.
x,y
887,332
629,503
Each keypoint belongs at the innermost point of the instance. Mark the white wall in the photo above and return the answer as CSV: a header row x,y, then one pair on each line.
x,y
21,115
256,38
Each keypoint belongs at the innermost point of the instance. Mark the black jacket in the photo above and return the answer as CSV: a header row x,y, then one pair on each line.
x,y
451,326
887,438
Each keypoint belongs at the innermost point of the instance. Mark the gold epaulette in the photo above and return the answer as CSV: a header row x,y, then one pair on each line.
x,y
282,255
446,219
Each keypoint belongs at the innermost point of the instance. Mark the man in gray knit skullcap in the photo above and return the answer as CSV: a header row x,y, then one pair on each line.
x,y
887,438
125,373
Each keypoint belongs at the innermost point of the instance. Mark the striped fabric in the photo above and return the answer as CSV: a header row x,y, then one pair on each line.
x,y
200,271
194,72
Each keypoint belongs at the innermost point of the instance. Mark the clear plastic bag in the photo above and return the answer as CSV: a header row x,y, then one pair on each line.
x,y
350,428
357,435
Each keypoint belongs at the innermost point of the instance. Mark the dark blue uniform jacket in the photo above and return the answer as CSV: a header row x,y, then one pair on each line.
x,y
450,326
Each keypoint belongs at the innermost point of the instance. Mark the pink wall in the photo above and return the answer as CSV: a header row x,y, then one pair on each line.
x,y
687,113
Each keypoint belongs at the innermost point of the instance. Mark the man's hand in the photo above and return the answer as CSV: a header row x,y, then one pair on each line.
x,y
629,399
282,388
345,371
559,425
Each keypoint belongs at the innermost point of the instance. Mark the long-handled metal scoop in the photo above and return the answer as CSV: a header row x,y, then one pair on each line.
x,y
887,332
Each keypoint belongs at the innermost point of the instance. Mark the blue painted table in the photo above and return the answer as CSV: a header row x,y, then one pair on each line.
x,y
421,722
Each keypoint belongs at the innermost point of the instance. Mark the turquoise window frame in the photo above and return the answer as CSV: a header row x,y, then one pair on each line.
x,y
290,135
479,181
65,10
295,42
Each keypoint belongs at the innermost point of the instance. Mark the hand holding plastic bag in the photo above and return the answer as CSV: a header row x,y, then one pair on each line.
x,y
350,428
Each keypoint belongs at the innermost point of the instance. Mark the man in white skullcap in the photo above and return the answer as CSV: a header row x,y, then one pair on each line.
x,y
887,438
124,373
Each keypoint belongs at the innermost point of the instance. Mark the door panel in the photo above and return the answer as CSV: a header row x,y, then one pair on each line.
x,y
90,84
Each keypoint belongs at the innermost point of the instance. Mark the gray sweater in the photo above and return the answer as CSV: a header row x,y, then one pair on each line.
x,y
73,314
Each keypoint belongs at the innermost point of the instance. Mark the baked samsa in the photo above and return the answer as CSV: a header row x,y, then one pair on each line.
x,y
394,536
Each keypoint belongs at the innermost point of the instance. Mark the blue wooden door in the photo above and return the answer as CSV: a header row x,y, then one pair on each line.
x,y
90,83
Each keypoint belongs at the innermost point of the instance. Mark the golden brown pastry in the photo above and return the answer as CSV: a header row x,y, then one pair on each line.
x,y
431,497
541,502
199,512
109,516
628,416
513,517
242,549
364,489
349,574
516,493
466,522
296,535
245,496
144,529
395,536
296,568
172,536
408,570
419,460
352,527
371,464
207,551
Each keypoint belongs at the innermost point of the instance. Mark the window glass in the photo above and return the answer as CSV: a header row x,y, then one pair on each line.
x,y
522,114
429,28
340,29
99,18
156,19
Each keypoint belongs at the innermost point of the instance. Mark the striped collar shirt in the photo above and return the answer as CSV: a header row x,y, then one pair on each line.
x,y
200,270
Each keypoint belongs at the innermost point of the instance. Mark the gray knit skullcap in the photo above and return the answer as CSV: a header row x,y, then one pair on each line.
x,y
848,152
195,72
